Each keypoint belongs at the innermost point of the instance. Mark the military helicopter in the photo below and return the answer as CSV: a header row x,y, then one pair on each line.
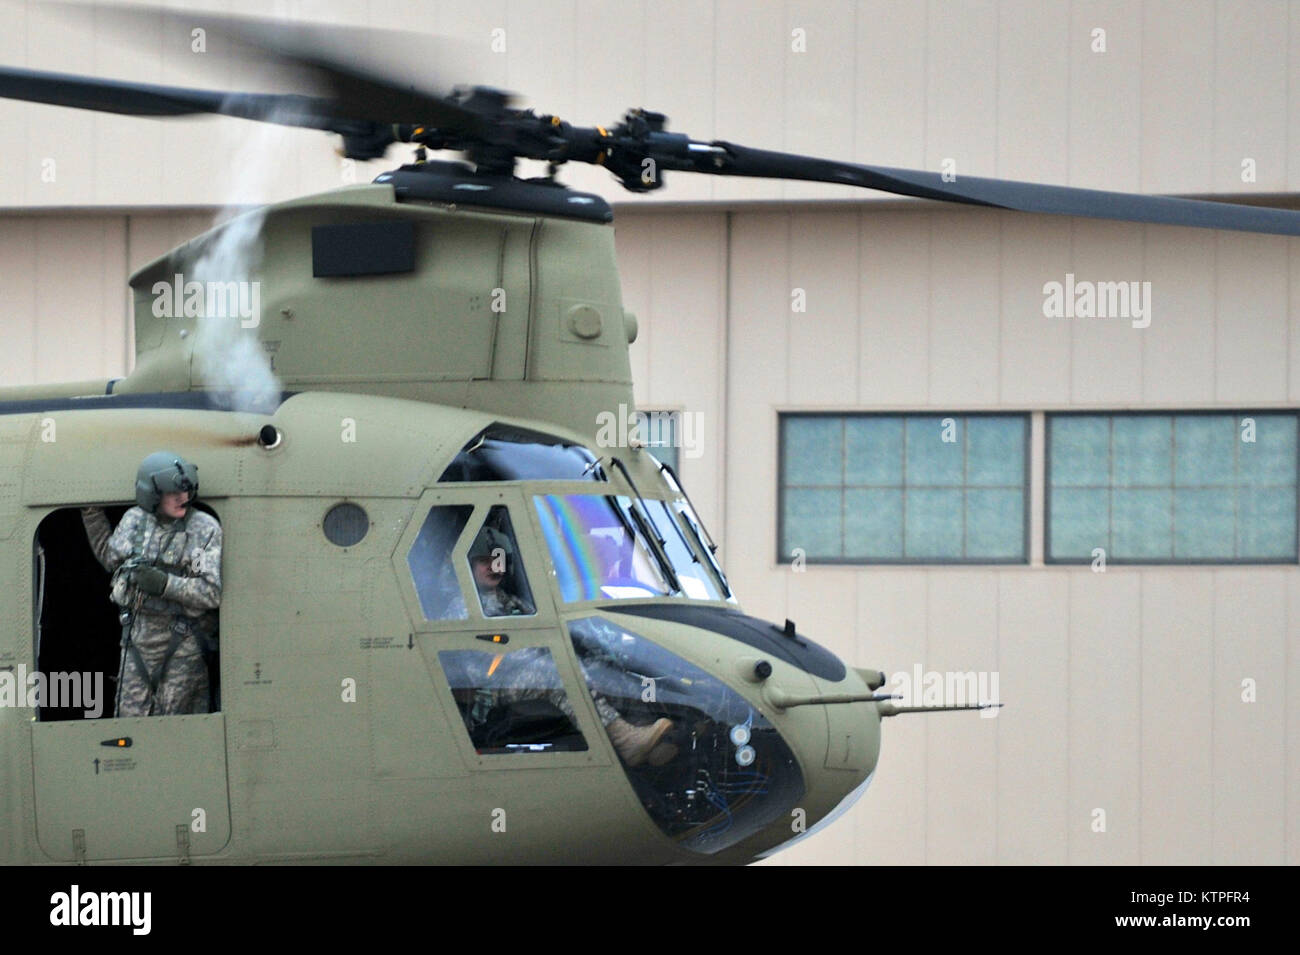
x,y
444,341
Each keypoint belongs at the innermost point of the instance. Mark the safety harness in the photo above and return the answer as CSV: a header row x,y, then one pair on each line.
x,y
180,627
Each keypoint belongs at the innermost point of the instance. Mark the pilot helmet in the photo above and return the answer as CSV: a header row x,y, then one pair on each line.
x,y
160,473
489,543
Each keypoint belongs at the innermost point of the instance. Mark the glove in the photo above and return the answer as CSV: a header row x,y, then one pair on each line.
x,y
151,580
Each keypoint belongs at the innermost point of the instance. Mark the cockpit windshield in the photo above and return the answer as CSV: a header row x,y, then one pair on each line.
x,y
696,581
600,550
596,549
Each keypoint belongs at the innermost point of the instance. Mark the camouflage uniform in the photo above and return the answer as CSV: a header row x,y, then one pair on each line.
x,y
534,681
497,602
189,551
530,674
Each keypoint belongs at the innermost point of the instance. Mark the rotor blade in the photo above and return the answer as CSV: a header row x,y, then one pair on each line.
x,y
1003,193
142,99
359,70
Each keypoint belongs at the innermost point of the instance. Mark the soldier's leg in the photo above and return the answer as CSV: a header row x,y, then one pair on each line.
x,y
149,637
184,686
538,679
604,709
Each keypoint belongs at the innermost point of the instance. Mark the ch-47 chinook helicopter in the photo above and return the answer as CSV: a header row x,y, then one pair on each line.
x,y
369,706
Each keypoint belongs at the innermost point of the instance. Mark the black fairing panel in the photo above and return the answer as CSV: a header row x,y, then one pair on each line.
x,y
759,634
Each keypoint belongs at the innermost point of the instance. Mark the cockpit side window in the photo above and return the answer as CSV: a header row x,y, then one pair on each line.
x,y
497,569
504,453
512,702
431,566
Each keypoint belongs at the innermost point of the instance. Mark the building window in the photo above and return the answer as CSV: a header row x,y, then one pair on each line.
x,y
660,432
1172,488
870,488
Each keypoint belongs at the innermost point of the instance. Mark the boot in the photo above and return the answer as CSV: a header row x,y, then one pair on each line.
x,y
662,755
634,743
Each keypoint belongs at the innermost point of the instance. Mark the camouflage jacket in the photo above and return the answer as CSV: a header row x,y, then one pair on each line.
x,y
498,602
188,550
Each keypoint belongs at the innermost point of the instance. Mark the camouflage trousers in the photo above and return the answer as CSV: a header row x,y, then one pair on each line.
x,y
530,674
560,701
183,687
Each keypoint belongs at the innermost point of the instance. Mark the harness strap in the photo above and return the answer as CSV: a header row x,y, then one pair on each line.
x,y
179,631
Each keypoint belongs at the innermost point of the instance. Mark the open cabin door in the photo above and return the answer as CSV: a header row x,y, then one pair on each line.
x,y
107,788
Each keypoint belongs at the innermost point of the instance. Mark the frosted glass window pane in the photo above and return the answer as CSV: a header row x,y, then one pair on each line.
x,y
811,523
1266,523
1080,521
932,461
995,452
1271,457
1205,450
1142,451
658,431
873,451
934,523
995,522
1080,451
1141,523
1203,524
873,524
813,451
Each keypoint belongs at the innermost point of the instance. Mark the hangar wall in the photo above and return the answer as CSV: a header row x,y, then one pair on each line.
x,y
1123,688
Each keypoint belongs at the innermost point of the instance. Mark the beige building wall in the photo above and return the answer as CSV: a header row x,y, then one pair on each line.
x,y
1122,688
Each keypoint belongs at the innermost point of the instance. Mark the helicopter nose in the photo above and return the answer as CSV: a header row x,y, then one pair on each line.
x,y
838,743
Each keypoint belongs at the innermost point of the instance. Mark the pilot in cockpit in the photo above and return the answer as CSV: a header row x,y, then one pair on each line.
x,y
490,558
497,578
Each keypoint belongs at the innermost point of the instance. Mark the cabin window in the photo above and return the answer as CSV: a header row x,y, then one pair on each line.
x,y
430,562
498,570
512,702
345,524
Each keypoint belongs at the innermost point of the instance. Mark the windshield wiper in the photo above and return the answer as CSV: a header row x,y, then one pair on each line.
x,y
712,548
656,540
